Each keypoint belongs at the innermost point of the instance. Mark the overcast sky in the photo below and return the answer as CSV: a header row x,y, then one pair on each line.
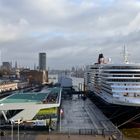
x,y
71,32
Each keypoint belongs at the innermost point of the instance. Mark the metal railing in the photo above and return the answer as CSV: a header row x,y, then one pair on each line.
x,y
100,132
117,135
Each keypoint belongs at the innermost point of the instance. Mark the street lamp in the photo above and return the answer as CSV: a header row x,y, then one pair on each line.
x,y
12,122
18,127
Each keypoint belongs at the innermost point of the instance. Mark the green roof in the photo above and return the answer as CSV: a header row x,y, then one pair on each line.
x,y
35,97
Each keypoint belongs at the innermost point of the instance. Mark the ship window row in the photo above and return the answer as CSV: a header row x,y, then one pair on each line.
x,y
109,88
123,80
105,90
125,84
126,89
105,83
120,75
122,72
122,67
126,94
125,75
131,94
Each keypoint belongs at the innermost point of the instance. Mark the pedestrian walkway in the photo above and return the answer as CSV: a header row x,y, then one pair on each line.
x,y
52,137
71,137
83,117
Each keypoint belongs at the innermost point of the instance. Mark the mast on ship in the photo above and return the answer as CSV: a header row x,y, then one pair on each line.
x,y
125,55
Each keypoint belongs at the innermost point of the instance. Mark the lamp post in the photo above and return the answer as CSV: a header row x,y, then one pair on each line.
x,y
18,131
12,122
60,121
12,132
18,127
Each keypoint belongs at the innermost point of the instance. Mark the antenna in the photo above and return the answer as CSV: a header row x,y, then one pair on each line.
x,y
125,55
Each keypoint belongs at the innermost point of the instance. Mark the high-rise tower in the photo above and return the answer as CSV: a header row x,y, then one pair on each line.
x,y
42,61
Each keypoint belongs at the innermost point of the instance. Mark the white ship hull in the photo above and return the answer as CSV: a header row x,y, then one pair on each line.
x,y
115,84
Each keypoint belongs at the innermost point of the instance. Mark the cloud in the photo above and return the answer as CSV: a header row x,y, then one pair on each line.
x,y
71,32
12,31
134,24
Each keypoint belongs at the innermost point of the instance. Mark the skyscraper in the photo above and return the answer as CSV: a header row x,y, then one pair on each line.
x,y
42,61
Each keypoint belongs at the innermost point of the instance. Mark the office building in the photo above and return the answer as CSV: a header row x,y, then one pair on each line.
x,y
42,61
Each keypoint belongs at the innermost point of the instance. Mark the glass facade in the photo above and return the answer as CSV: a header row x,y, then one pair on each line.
x,y
42,61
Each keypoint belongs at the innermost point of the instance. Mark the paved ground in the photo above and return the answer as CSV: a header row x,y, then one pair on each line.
x,y
75,117
54,137
45,136
84,117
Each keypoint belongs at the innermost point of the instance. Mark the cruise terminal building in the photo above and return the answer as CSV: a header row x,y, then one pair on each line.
x,y
32,108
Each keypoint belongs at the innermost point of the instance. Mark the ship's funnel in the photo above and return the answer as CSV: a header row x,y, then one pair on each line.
x,y
101,59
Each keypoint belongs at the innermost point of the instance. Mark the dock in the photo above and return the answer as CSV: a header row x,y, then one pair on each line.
x,y
79,120
84,118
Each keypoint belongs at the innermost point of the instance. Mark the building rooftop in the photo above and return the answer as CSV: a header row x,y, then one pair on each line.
x,y
30,103
30,97
24,97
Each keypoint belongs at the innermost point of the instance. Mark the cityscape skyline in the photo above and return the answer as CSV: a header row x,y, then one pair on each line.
x,y
72,33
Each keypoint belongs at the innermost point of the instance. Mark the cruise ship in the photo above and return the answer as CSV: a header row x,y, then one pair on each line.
x,y
116,85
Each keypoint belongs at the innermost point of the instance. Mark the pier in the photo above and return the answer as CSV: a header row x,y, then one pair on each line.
x,y
82,117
